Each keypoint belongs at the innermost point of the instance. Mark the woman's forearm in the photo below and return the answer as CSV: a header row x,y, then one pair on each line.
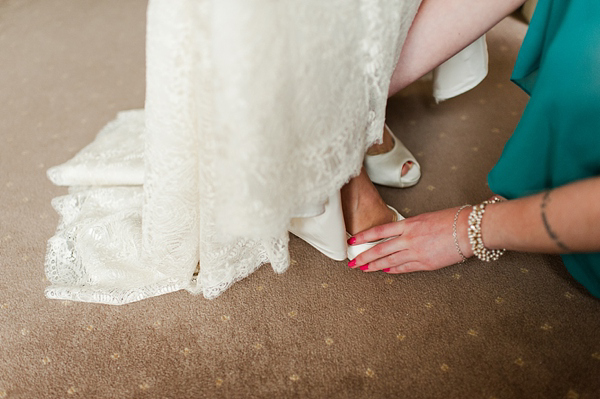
x,y
563,220
441,29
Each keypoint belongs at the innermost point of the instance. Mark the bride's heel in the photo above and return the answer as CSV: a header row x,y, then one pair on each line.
x,y
325,232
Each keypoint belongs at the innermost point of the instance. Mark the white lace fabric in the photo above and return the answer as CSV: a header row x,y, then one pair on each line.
x,y
256,111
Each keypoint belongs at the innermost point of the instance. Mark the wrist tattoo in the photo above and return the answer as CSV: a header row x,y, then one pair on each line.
x,y
551,233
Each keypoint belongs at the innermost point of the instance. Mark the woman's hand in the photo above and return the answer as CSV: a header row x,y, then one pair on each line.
x,y
423,242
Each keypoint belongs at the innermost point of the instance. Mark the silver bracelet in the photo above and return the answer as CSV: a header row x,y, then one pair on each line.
x,y
475,236
455,235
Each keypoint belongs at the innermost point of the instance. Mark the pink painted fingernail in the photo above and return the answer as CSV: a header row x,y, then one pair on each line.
x,y
387,270
351,240
364,267
352,263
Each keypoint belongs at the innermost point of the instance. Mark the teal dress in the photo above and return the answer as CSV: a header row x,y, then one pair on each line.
x,y
557,140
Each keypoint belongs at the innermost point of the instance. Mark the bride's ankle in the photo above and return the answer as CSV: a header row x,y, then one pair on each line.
x,y
366,216
386,145
362,205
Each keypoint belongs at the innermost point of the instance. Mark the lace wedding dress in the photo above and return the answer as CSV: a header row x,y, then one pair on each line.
x,y
256,112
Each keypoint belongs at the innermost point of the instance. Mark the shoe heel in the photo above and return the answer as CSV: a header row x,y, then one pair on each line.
x,y
325,232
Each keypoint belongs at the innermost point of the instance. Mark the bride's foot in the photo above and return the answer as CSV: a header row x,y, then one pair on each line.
x,y
386,146
362,205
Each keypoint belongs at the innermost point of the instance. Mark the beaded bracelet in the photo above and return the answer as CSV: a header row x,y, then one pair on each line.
x,y
475,236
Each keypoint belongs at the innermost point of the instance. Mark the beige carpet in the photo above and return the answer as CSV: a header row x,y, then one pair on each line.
x,y
518,328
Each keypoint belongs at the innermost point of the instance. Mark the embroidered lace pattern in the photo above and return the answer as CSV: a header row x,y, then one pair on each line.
x,y
256,111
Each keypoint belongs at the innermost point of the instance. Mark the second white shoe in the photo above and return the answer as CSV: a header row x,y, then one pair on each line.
x,y
386,168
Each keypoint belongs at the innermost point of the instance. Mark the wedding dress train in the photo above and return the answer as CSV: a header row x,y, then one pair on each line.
x,y
256,112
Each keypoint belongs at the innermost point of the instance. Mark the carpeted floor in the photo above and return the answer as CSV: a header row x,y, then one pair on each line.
x,y
517,328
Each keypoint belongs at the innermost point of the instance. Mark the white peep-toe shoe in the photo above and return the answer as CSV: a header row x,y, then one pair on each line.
x,y
325,232
386,168
355,250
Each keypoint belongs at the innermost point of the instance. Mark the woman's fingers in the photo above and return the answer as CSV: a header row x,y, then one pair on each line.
x,y
393,260
377,233
407,268
379,252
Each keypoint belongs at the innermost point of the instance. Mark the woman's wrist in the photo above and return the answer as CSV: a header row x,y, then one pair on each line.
x,y
489,233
